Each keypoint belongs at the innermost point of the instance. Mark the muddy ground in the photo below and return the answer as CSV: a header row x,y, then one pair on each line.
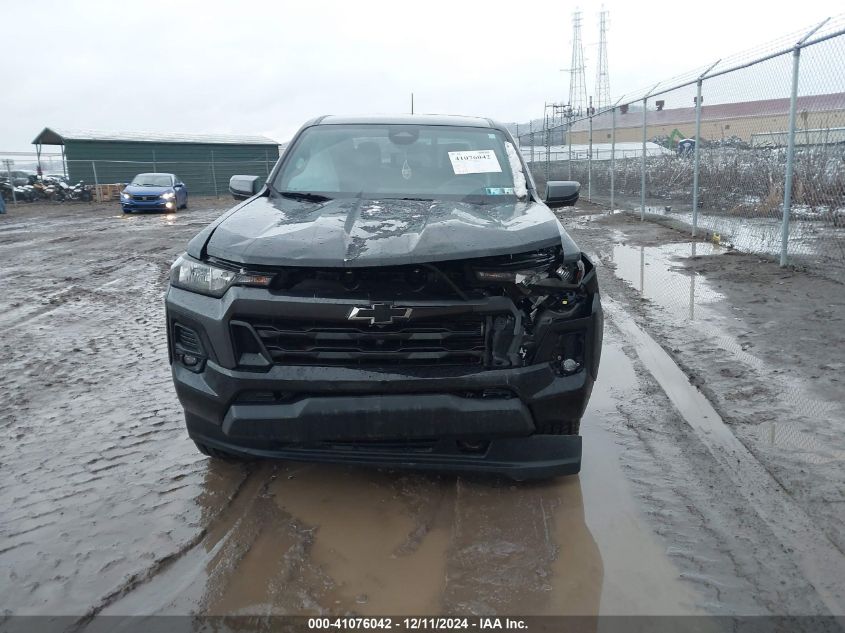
x,y
727,500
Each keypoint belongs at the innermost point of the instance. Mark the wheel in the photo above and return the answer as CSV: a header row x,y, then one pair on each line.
x,y
126,211
185,206
566,427
223,456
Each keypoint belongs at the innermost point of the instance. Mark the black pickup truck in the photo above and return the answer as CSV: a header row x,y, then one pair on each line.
x,y
397,293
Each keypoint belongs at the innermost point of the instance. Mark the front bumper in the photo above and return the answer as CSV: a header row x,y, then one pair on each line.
x,y
148,205
448,418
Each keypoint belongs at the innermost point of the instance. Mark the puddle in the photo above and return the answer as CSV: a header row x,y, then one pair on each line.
x,y
758,234
658,274
655,272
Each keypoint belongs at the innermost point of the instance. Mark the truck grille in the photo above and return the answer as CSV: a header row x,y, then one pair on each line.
x,y
452,341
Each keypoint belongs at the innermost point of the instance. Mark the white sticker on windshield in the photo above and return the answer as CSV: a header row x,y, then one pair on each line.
x,y
481,161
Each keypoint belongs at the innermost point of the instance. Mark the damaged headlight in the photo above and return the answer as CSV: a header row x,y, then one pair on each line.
x,y
572,273
519,268
188,273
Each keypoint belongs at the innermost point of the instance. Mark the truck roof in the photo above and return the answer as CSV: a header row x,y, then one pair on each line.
x,y
406,119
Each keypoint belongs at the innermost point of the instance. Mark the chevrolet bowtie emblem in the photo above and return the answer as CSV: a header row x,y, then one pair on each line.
x,y
379,314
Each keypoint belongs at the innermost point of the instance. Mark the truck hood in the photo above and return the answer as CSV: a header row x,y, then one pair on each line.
x,y
353,232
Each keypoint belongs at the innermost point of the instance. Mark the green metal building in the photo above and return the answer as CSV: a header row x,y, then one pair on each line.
x,y
204,162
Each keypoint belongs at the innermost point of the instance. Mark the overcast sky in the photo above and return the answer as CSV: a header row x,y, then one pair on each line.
x,y
266,67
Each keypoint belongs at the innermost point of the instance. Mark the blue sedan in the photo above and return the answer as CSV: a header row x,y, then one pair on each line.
x,y
154,192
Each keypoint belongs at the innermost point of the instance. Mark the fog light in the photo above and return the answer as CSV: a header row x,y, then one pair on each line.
x,y
190,360
569,365
187,348
169,205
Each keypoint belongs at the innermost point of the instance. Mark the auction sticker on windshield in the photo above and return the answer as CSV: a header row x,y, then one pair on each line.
x,y
482,161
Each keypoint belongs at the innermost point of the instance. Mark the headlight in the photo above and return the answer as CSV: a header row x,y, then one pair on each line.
x,y
168,195
190,274
508,276
125,195
572,273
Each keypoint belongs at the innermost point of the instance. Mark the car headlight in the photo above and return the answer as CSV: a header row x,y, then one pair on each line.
x,y
188,273
169,195
125,195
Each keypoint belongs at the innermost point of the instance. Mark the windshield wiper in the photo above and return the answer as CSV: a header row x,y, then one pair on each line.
x,y
303,195
411,198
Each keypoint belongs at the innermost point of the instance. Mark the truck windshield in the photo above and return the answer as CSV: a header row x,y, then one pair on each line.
x,y
402,161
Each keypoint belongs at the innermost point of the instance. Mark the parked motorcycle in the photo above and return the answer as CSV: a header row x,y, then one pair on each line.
x,y
80,191
27,191
52,188
46,190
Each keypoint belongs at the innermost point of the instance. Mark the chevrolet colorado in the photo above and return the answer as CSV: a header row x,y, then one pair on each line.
x,y
397,293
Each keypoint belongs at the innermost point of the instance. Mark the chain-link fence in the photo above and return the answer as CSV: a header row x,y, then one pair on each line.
x,y
750,149
205,178
104,179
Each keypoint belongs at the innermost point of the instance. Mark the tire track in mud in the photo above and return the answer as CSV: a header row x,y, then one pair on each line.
x,y
821,562
245,489
103,484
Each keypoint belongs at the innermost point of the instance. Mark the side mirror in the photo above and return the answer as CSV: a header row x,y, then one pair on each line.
x,y
562,193
179,184
243,187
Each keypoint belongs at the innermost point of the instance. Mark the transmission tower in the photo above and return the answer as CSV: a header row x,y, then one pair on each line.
x,y
577,84
602,76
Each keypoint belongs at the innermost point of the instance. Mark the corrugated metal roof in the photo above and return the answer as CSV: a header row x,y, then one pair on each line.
x,y
744,109
57,136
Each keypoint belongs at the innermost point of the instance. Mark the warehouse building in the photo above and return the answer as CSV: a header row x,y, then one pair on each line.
x,y
204,162
750,121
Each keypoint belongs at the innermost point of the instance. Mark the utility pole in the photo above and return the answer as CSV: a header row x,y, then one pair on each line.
x,y
8,162
412,103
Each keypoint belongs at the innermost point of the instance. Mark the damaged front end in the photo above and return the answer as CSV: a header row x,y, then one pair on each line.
x,y
557,308
476,364
487,313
